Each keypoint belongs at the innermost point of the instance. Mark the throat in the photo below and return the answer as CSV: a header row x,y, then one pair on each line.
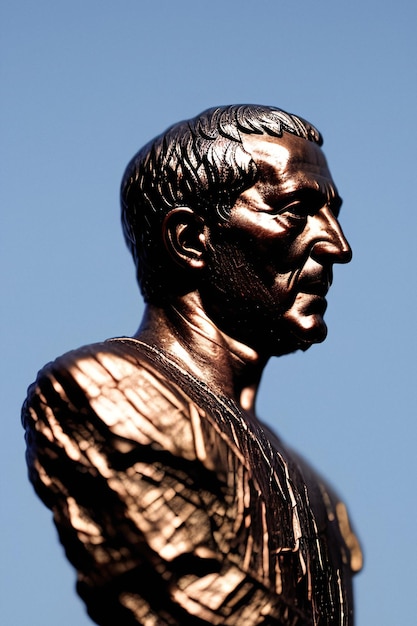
x,y
226,366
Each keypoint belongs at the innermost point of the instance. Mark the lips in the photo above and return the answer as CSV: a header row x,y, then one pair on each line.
x,y
316,287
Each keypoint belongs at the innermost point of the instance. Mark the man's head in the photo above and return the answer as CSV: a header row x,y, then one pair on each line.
x,y
239,204
200,164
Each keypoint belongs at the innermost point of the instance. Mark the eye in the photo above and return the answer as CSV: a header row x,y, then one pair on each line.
x,y
297,206
297,209
293,213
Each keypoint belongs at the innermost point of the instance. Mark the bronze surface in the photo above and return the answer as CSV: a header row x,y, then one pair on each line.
x,y
175,504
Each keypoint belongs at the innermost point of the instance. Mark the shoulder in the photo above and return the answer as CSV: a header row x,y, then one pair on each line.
x,y
115,386
104,367
99,363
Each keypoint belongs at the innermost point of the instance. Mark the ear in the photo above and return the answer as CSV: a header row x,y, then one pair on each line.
x,y
184,237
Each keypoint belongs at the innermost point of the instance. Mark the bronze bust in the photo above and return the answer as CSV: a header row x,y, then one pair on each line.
x,y
175,504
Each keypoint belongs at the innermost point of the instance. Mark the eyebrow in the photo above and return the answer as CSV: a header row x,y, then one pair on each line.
x,y
331,194
335,204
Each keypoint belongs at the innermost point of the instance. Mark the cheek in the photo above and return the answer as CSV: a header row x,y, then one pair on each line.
x,y
284,287
246,285
253,264
232,275
273,246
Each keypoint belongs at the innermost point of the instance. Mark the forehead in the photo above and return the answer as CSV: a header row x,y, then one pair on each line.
x,y
289,163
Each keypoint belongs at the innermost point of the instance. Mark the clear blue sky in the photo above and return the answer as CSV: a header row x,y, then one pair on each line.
x,y
85,84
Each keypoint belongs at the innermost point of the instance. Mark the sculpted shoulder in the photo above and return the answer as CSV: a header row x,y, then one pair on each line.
x,y
110,383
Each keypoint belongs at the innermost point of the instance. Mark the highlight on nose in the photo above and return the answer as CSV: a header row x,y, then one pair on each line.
x,y
336,247
332,242
346,253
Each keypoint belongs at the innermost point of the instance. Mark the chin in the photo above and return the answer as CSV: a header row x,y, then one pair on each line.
x,y
301,336
314,330
287,335
305,320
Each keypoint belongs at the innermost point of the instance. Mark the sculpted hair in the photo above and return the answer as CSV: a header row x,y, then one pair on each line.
x,y
199,163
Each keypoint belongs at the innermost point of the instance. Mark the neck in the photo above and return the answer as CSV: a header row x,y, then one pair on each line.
x,y
183,331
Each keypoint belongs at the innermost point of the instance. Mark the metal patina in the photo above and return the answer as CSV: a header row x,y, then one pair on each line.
x,y
175,504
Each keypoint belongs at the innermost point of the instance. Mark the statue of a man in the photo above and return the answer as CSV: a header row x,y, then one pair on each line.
x,y
175,504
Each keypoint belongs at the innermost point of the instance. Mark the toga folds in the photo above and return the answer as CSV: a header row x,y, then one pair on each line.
x,y
176,507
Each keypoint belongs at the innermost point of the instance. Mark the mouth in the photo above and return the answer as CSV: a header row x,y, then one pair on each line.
x,y
315,282
316,287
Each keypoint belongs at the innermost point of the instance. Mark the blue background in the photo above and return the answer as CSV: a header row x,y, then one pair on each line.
x,y
84,85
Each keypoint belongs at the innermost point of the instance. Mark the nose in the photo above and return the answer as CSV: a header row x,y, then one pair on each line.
x,y
329,238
